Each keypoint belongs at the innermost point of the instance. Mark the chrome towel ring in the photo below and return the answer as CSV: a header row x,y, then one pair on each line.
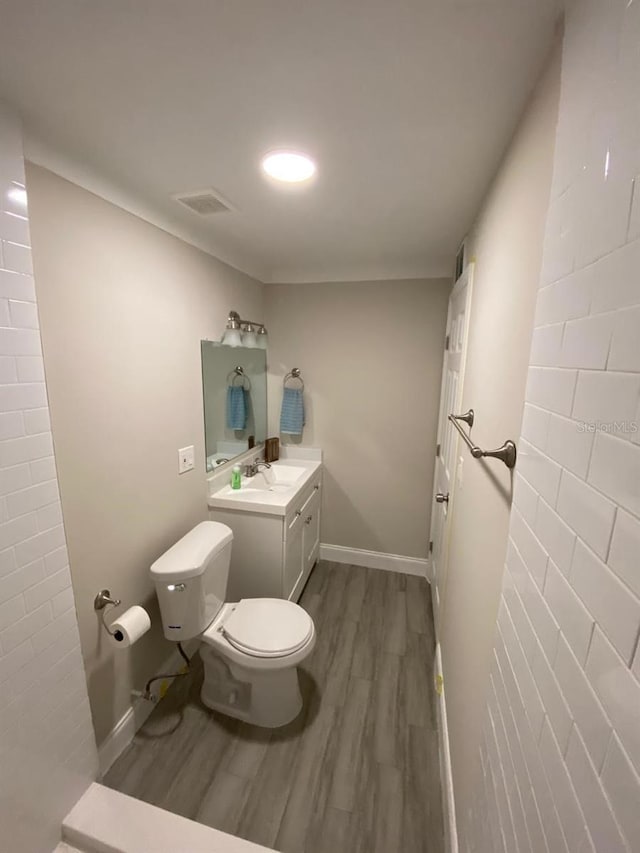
x,y
294,373
238,373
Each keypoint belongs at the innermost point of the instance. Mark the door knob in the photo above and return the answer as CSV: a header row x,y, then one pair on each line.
x,y
442,499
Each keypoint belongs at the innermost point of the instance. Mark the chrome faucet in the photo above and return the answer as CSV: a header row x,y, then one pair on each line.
x,y
252,468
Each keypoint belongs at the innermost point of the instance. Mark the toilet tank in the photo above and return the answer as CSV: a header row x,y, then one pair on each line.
x,y
191,580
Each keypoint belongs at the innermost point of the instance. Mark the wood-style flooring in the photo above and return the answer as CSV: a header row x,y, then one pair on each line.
x,y
357,772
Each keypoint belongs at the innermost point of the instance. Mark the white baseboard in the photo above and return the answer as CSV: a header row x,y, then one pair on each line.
x,y
117,740
135,716
446,777
375,560
435,601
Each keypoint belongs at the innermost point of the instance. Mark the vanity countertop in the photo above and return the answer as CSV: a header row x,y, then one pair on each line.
x,y
272,491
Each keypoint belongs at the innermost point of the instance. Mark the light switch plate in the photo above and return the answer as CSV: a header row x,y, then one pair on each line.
x,y
186,459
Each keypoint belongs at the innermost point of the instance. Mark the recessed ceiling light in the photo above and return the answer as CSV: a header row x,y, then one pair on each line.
x,y
288,166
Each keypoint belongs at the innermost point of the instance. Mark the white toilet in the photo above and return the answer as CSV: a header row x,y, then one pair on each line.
x,y
250,649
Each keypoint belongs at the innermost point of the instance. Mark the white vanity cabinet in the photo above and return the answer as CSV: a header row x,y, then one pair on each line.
x,y
301,543
273,555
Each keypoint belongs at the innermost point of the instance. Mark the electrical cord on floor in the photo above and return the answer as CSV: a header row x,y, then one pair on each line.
x,y
147,688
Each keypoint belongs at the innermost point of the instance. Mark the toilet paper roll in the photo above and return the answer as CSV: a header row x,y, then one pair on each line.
x,y
129,626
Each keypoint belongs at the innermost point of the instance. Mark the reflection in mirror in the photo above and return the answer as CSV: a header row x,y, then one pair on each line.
x,y
234,385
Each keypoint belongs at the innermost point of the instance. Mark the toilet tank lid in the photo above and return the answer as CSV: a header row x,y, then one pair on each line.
x,y
190,555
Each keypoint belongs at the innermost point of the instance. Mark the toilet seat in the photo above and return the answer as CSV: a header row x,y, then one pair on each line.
x,y
267,627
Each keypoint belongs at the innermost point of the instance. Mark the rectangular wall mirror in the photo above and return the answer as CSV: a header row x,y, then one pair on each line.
x,y
234,387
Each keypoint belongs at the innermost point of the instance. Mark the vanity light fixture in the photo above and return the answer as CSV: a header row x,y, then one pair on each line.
x,y
261,338
249,336
290,167
232,336
248,333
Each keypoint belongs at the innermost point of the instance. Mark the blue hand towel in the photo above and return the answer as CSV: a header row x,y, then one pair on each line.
x,y
236,407
292,413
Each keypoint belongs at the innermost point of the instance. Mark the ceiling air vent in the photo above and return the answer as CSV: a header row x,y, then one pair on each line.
x,y
204,202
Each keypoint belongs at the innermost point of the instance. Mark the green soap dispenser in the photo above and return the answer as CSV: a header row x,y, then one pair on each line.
x,y
236,477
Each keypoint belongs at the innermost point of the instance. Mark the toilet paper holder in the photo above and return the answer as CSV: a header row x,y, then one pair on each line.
x,y
103,600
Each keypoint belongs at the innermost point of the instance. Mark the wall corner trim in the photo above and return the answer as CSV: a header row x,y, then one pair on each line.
x,y
446,777
375,560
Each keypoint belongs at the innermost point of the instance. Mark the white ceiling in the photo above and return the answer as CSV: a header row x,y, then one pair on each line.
x,y
407,106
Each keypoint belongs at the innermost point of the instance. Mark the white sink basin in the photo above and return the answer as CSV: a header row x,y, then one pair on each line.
x,y
277,475
249,487
278,478
270,490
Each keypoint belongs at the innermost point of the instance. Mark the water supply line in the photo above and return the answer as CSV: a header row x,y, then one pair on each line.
x,y
148,695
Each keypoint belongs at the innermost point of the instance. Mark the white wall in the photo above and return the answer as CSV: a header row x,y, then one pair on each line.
x,y
123,308
371,358
560,758
47,747
506,242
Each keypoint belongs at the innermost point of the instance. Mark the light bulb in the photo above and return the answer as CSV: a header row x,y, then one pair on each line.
x,y
288,166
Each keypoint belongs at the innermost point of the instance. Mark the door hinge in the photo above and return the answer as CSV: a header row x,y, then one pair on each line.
x,y
437,450
446,343
431,547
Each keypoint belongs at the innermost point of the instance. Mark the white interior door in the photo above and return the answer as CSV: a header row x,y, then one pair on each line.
x,y
447,450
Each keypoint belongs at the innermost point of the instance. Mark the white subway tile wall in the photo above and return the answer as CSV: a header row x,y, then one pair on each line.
x,y
47,747
560,757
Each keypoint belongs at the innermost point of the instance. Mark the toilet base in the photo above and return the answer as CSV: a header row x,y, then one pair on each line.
x,y
269,698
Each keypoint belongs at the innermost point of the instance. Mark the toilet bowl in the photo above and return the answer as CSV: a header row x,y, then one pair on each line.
x,y
261,642
250,649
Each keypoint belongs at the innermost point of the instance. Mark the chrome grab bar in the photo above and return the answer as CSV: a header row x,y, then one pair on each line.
x,y
507,453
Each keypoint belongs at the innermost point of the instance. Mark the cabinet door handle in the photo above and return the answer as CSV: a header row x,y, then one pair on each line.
x,y
308,519
315,488
298,512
